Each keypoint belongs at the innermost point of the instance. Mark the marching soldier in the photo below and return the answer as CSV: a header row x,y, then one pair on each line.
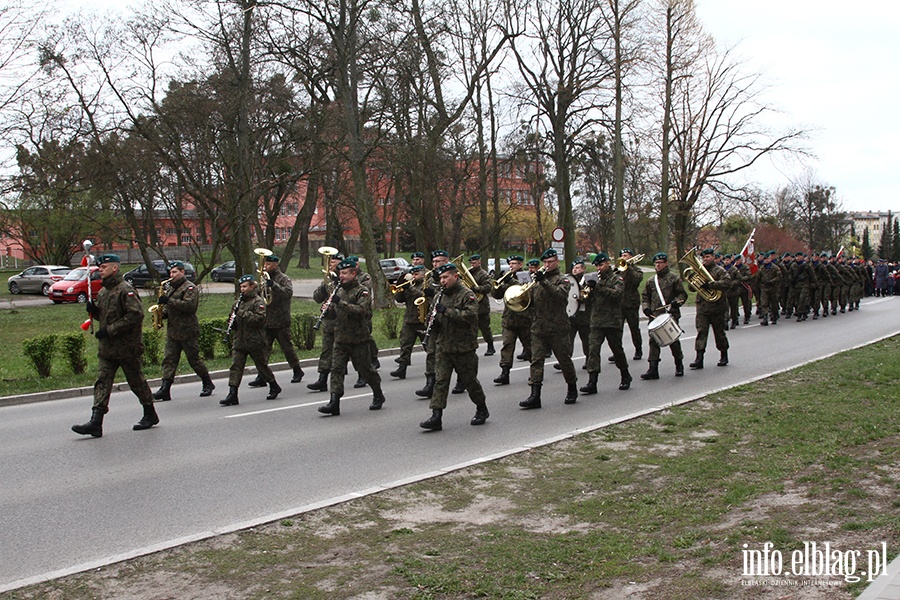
x,y
550,329
438,259
746,286
516,325
606,322
351,309
179,306
631,302
664,293
366,281
580,322
788,297
733,296
119,345
320,295
712,314
455,348
769,288
278,318
804,278
249,337
484,305
412,318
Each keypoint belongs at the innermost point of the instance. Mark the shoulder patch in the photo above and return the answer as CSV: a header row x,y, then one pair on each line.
x,y
364,293
262,305
130,294
471,296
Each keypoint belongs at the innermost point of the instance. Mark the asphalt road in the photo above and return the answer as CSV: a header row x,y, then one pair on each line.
x,y
69,503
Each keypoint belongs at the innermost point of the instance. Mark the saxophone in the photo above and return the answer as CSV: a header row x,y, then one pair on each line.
x,y
156,311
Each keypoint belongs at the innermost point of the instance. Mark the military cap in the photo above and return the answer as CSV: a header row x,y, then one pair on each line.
x,y
800,254
515,257
417,255
533,261
176,264
600,258
108,258
475,257
577,261
353,258
437,253
660,256
272,258
444,268
417,268
786,255
338,256
623,251
245,278
706,251
347,263
549,253
727,256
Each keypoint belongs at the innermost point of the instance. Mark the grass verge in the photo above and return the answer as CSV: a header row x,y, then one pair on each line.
x,y
658,507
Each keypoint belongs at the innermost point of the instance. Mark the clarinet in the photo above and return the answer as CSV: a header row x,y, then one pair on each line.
x,y
231,318
326,306
431,316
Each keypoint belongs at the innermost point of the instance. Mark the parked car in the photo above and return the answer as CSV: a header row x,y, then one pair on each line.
x,y
395,268
224,272
73,287
142,277
504,267
37,279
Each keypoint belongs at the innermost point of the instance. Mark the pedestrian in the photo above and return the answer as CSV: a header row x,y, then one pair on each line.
x,y
120,344
179,310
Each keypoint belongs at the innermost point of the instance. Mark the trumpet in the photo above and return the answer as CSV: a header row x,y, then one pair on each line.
x,y
517,297
262,274
156,311
397,288
623,263
696,274
496,284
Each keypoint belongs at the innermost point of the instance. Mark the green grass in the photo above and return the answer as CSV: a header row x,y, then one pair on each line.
x,y
808,455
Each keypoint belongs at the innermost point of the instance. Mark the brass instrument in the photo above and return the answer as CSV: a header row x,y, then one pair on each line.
x,y
396,289
585,289
422,308
468,280
696,275
327,252
623,263
262,274
496,284
156,310
517,297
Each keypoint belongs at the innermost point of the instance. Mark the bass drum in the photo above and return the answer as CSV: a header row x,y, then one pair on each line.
x,y
573,300
664,330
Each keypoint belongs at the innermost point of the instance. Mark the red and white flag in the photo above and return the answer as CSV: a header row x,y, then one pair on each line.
x,y
840,253
749,253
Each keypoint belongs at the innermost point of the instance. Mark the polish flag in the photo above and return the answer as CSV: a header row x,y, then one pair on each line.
x,y
749,253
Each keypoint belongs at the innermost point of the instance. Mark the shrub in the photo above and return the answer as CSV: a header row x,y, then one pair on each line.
x,y
209,336
391,321
152,339
303,336
73,349
39,350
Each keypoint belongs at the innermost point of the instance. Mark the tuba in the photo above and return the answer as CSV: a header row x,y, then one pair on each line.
x,y
696,275
156,311
518,297
261,274
327,252
468,280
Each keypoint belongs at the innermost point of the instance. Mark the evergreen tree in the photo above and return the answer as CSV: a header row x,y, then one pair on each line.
x,y
895,241
884,247
866,245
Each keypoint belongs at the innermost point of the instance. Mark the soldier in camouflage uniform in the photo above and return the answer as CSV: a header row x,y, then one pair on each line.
x,y
249,335
606,322
673,298
631,303
580,322
278,318
413,326
733,296
119,345
804,278
712,314
352,311
455,348
483,287
439,258
788,297
823,289
769,289
179,306
320,295
858,285
746,287
550,329
516,325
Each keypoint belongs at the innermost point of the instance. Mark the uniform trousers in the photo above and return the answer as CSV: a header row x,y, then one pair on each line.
x,y
632,317
282,335
172,357
360,354
466,366
134,375
768,301
655,350
484,326
541,345
409,333
511,333
327,353
613,337
239,361
704,322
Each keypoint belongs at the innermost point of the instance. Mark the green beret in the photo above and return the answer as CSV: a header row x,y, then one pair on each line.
x,y
706,251
515,257
437,253
347,263
444,268
549,253
417,255
108,258
475,257
601,257
417,268
624,250
533,261
353,258
176,264
660,256
272,258
245,278
577,261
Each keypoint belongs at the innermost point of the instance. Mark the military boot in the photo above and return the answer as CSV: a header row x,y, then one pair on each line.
x,y
679,368
162,394
258,382
490,350
360,383
459,388
765,322
571,393
149,419
426,391
208,387
503,379
534,400
638,354
481,414
94,427
274,390
723,358
333,407
698,361
377,398
400,373
591,387
298,375
734,323
626,380
433,422
232,398
321,384
653,371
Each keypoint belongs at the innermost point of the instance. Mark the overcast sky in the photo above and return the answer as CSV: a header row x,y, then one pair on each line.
x,y
833,67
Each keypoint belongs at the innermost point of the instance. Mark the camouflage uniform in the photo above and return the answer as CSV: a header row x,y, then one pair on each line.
x,y
516,326
249,338
484,288
550,326
804,277
352,312
320,295
712,314
607,320
673,292
631,305
278,320
769,288
180,312
413,328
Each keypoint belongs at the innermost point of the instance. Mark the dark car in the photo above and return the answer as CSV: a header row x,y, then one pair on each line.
x,y
142,277
395,268
37,279
224,272
73,287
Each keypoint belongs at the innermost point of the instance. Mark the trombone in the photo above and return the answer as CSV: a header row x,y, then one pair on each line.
x,y
623,263
262,274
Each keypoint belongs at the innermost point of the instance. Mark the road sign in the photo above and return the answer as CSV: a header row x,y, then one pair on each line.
x,y
558,234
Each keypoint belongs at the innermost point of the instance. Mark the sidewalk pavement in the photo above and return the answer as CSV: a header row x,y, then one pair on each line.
x,y
885,586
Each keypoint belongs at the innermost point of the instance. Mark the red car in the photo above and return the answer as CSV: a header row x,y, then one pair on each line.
x,y
73,287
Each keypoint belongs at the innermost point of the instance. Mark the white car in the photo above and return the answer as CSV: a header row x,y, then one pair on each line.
x,y
37,280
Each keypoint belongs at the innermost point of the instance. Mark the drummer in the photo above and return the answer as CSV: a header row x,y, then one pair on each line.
x,y
663,295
